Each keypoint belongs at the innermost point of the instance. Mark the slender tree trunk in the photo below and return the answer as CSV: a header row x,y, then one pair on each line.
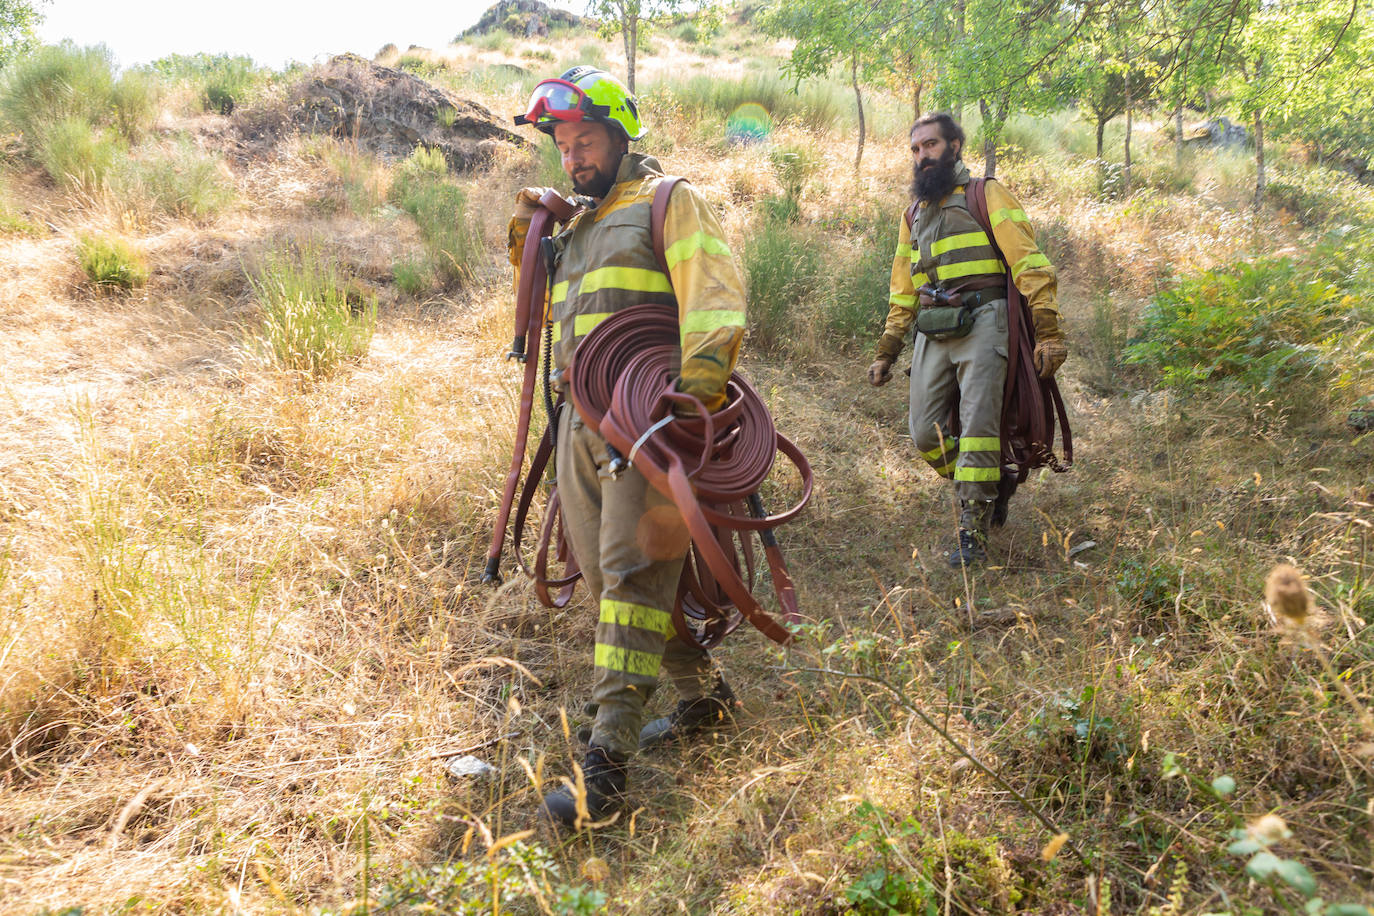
x,y
858,100
1178,134
630,29
1126,145
1259,159
916,101
1101,129
989,146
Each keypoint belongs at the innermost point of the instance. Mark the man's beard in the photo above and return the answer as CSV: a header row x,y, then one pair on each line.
x,y
934,183
599,186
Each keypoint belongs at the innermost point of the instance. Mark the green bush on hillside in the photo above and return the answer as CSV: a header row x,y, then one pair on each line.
x,y
75,116
60,82
112,264
1267,322
224,81
439,207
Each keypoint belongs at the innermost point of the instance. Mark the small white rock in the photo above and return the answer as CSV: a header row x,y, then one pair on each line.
x,y
469,767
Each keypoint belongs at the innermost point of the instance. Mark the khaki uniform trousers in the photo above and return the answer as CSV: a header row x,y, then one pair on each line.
x,y
630,542
973,368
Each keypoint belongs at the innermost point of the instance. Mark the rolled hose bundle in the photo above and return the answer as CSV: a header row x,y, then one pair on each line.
x,y
711,466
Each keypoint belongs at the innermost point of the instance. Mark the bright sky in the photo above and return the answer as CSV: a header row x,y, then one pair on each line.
x,y
271,31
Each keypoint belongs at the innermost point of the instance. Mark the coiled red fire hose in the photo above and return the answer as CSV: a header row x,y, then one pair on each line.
x,y
525,348
626,392
711,466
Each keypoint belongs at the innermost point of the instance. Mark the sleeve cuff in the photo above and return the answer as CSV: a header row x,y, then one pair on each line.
x,y
890,346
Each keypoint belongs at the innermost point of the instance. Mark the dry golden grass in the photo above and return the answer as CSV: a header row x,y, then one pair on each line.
x,y
240,625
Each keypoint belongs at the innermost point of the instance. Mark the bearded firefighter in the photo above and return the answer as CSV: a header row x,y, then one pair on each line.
x,y
629,540
948,280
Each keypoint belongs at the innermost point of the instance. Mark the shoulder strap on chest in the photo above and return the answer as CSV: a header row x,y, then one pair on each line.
x,y
910,214
658,215
976,197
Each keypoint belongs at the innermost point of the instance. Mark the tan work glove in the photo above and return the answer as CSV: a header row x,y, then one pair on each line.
x,y
1050,351
526,202
880,373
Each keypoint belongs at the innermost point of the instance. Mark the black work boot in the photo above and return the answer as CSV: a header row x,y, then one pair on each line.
x,y
692,717
603,776
975,516
1006,489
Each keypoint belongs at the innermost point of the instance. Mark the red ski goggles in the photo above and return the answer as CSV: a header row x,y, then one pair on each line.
x,y
555,98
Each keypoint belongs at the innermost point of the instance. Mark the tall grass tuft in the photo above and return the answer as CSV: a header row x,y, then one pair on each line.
x,y
784,271
184,181
112,264
310,322
452,239
816,105
856,308
77,155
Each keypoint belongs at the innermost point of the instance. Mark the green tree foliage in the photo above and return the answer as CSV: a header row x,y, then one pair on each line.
x,y
1288,53
627,17
18,19
1002,53
863,36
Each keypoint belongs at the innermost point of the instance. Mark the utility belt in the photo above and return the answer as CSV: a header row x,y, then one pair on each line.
x,y
949,314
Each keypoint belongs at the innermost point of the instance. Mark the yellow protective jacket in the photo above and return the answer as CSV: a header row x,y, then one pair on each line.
x,y
606,263
950,248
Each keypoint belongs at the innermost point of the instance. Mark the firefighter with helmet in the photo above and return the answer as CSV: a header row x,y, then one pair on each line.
x,y
629,540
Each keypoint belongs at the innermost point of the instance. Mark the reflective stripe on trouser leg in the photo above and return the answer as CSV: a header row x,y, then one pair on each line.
x,y
974,368
625,526
933,387
981,360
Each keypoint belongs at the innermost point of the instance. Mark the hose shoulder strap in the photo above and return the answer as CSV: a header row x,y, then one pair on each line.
x,y
658,215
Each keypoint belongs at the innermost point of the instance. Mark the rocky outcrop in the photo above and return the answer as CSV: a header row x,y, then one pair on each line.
x,y
529,18
1221,131
390,112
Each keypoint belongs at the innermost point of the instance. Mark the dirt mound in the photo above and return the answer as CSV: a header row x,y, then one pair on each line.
x,y
522,17
389,112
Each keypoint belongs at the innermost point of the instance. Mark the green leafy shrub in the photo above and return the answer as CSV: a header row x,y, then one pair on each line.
x,y
421,66
75,116
311,320
1074,726
1262,323
112,264
135,101
56,83
439,207
890,887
